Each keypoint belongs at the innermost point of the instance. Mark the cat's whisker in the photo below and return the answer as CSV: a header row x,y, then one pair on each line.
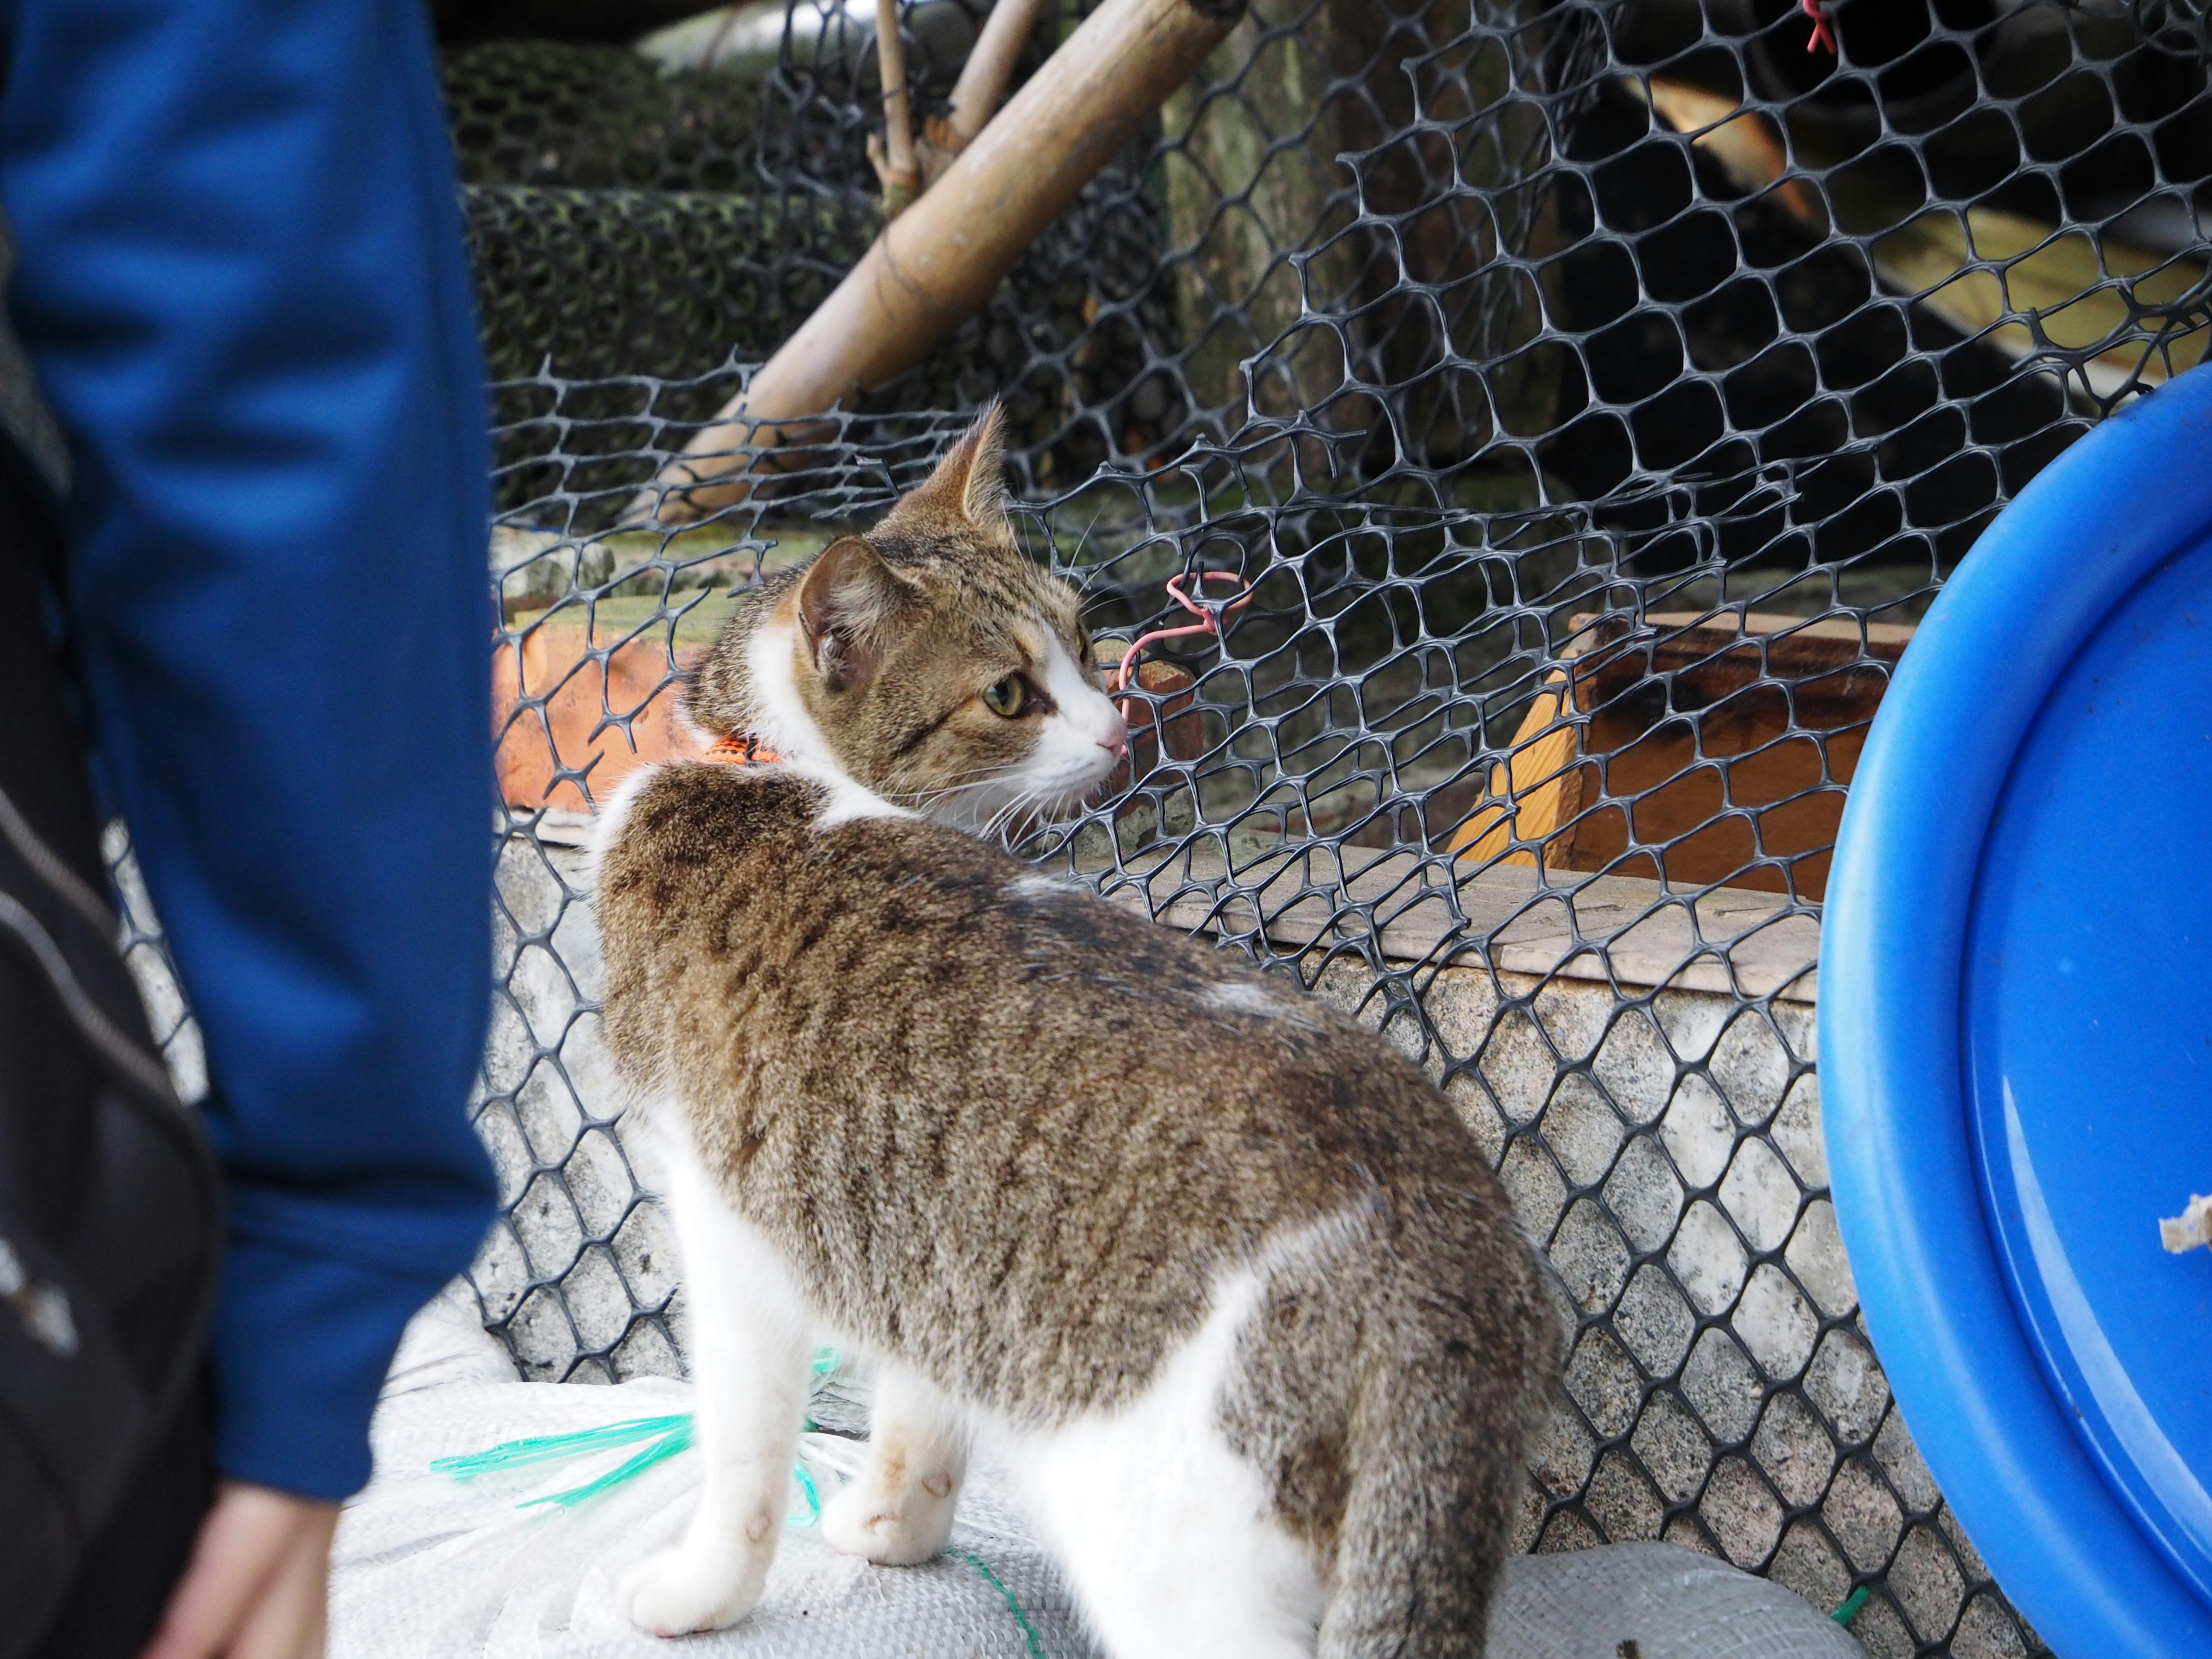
x,y
945,791
1082,546
929,801
895,787
997,769
1029,802
1092,599
995,828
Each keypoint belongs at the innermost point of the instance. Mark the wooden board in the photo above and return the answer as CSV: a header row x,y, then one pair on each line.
x,y
1696,750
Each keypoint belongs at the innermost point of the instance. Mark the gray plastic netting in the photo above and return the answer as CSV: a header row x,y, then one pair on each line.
x,y
1594,394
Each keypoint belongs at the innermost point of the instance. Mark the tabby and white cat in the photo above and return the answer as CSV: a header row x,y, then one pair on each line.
x,y
1235,1295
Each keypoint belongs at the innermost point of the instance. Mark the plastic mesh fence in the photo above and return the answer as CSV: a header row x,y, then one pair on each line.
x,y
1593,395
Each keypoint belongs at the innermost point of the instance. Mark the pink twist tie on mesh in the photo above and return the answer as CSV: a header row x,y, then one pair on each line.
x,y
1209,621
1823,31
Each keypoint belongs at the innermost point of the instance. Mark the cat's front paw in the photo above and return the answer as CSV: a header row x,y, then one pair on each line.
x,y
684,1589
892,1530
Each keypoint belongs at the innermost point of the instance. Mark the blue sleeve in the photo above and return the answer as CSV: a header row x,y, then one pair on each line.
x,y
241,281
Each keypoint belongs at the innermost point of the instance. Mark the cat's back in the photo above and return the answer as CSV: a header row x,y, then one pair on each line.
x,y
760,940
927,1071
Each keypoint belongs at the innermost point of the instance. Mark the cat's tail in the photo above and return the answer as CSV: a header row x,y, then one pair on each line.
x,y
1436,1449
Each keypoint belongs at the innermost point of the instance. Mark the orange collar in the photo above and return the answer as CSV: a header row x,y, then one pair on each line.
x,y
739,750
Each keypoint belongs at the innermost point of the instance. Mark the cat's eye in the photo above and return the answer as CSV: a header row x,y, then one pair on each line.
x,y
1007,697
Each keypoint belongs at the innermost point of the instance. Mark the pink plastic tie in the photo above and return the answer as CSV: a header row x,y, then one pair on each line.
x,y
1209,621
1823,31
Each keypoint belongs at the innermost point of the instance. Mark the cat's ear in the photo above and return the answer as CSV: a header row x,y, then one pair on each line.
x,y
970,482
846,604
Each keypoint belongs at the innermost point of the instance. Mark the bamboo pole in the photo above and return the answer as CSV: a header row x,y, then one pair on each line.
x,y
937,263
984,76
897,168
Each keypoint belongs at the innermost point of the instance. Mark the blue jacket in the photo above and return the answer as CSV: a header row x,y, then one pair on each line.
x,y
241,282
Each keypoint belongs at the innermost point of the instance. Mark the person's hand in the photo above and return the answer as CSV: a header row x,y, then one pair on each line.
x,y
258,1586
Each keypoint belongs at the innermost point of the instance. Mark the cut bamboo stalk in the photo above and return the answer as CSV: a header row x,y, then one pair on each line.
x,y
984,76
896,167
1747,143
936,264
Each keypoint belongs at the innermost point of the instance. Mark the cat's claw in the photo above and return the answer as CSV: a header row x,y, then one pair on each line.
x,y
679,1591
891,1531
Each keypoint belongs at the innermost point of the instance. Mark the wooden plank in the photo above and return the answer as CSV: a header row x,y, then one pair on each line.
x,y
1716,745
1884,640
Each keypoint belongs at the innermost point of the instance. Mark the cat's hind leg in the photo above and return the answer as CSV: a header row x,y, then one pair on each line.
x,y
1168,1537
747,1340
898,1510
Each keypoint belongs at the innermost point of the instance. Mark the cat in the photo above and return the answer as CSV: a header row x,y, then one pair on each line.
x,y
1248,1315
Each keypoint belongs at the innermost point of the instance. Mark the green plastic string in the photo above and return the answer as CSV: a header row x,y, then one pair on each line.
x,y
813,1498
674,1433
549,1447
1852,1603
1029,1630
670,1434
676,1440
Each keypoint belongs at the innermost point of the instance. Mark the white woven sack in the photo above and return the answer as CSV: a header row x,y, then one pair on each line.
x,y
430,1567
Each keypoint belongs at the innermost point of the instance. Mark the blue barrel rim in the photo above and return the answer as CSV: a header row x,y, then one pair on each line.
x,y
1902,1173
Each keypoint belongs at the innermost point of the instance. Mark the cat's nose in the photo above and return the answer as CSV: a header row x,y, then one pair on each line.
x,y
1116,740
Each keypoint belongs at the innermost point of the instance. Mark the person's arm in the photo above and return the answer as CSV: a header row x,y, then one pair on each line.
x,y
241,282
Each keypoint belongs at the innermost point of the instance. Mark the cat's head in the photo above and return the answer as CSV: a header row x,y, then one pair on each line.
x,y
930,661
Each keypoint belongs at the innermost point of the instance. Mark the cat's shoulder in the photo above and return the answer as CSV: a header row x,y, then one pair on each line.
x,y
690,809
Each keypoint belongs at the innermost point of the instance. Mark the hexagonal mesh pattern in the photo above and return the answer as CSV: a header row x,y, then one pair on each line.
x,y
1593,394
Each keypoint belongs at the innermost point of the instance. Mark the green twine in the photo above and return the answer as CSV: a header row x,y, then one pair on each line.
x,y
1029,1630
824,1362
1852,1603
547,1448
676,1440
813,1498
670,1434
673,1434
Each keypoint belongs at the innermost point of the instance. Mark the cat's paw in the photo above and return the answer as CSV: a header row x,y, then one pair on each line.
x,y
684,1589
892,1530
